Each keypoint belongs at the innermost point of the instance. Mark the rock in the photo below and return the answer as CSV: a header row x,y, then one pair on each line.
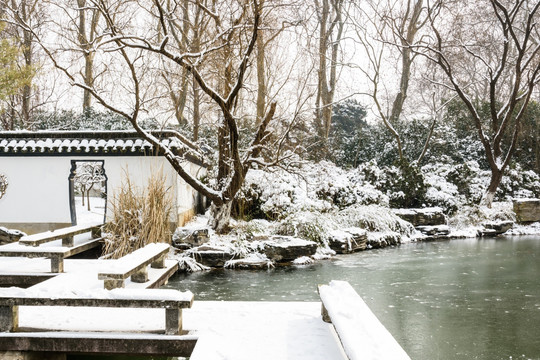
x,y
527,210
494,228
254,261
288,248
378,240
348,240
8,236
422,217
185,238
434,232
210,256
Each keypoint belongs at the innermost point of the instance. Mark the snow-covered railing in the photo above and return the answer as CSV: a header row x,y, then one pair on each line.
x,y
173,301
66,234
134,265
57,253
362,335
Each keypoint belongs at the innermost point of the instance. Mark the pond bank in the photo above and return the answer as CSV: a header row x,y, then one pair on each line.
x,y
455,300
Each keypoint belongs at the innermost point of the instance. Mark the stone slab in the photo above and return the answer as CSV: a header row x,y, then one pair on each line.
x,y
527,210
95,343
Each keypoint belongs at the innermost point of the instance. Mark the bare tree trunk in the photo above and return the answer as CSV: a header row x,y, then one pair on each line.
x,y
330,33
196,110
221,216
489,195
261,80
27,53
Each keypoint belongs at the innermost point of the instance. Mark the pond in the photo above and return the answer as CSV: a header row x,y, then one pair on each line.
x,y
457,299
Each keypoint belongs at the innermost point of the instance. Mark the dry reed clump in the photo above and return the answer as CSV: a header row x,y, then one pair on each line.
x,y
139,218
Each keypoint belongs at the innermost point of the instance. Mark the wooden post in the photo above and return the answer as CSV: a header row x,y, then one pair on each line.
x,y
173,321
68,241
9,318
140,276
159,263
57,264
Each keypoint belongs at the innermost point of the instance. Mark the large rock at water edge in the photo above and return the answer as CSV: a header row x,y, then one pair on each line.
x,y
210,255
348,240
494,228
421,217
434,232
378,240
188,237
8,236
527,210
288,248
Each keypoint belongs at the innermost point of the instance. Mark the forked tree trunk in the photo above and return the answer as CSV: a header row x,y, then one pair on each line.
x,y
221,217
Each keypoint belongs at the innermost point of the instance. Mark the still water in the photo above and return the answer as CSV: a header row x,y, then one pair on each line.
x,y
457,299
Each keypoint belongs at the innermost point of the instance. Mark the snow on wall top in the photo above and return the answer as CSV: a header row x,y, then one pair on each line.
x,y
89,143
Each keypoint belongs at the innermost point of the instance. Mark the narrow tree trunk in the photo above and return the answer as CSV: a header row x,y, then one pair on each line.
x,y
196,110
489,195
88,200
261,81
88,79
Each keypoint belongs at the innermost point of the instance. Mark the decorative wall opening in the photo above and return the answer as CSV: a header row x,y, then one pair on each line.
x,y
87,191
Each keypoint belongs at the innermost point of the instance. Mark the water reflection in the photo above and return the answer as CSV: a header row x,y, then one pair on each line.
x,y
458,299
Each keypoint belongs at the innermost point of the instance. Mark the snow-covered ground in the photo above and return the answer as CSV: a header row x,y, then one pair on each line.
x,y
96,213
226,330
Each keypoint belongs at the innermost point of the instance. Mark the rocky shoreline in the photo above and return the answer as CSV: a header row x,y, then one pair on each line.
x,y
267,251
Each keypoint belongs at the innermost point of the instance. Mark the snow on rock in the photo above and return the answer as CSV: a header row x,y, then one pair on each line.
x,y
251,261
529,229
362,335
189,264
304,260
348,240
8,235
287,248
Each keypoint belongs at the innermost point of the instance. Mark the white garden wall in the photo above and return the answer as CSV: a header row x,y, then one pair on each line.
x,y
37,197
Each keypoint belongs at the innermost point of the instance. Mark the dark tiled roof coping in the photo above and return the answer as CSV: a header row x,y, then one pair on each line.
x,y
88,143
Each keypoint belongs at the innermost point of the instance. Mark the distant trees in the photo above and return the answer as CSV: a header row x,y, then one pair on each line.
x,y
87,175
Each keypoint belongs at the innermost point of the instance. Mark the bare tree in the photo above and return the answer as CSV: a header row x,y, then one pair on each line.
x,y
499,40
384,30
331,22
87,175
88,17
235,28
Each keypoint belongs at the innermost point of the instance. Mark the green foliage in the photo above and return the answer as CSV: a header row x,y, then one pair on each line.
x,y
90,119
13,76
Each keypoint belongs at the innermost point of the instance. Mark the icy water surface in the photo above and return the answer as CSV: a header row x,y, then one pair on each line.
x,y
458,299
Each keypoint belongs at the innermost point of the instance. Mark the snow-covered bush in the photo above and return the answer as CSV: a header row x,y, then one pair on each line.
x,y
308,225
319,187
518,183
374,218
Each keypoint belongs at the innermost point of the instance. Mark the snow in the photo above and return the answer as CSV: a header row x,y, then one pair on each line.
x,y
529,229
92,293
96,213
361,333
226,330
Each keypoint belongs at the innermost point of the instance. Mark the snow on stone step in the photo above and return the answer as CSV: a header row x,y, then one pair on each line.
x,y
361,333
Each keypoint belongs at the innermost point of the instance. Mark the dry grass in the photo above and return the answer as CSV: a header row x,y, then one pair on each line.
x,y
139,217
